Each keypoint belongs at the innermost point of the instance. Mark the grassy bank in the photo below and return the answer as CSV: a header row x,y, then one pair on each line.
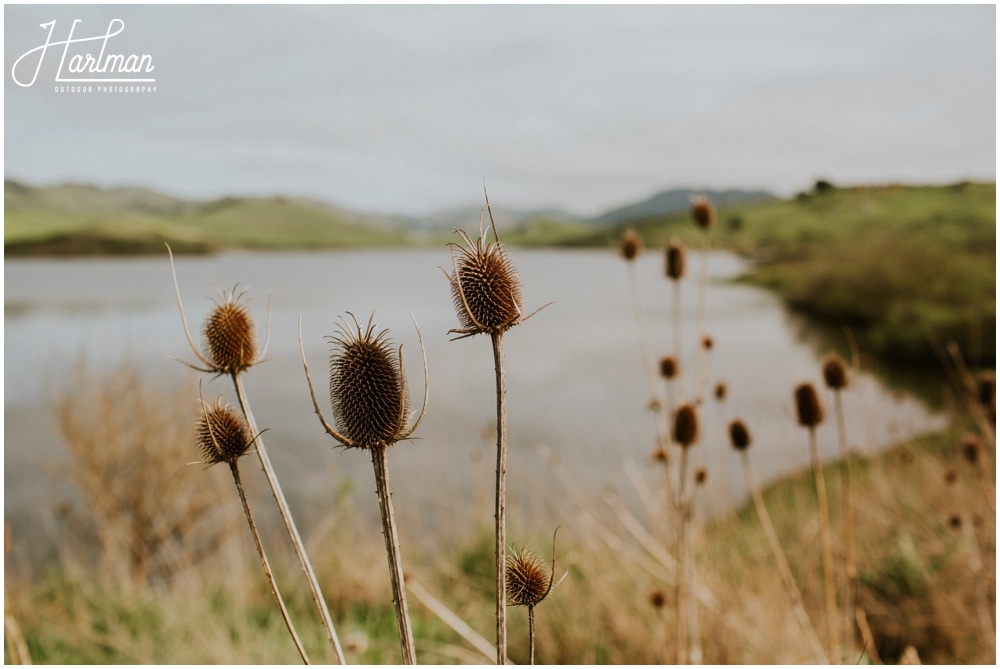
x,y
908,269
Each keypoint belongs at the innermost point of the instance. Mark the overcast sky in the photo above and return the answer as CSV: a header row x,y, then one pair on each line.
x,y
406,109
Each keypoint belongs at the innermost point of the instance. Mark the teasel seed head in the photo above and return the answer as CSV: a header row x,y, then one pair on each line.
x,y
721,390
630,244
675,260
834,372
660,454
702,212
972,446
229,335
739,435
686,425
700,476
668,367
955,521
222,434
528,578
807,405
368,390
658,599
707,343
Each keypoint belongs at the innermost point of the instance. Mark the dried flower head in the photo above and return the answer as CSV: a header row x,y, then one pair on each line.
x,y
658,599
707,343
675,260
807,406
686,425
702,212
630,244
660,454
955,521
222,434
700,476
368,393
668,367
528,579
229,335
721,390
834,372
739,435
972,447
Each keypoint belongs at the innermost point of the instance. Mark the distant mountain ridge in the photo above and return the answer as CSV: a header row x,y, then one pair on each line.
x,y
676,200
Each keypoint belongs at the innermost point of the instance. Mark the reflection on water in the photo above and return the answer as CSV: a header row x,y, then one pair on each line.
x,y
576,386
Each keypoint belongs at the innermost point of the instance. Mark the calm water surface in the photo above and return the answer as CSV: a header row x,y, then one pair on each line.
x,y
576,384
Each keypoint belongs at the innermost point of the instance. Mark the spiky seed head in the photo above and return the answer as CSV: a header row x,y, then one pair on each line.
x,y
987,390
660,454
834,372
675,260
707,343
630,244
700,476
528,578
955,521
229,335
721,390
486,288
686,425
222,434
668,367
658,599
367,392
702,212
807,406
739,435
972,446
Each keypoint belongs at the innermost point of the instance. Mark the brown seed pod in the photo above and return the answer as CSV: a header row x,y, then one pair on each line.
x,y
807,405
485,287
686,425
528,579
660,454
707,343
702,212
834,372
675,260
222,434
721,390
972,446
955,521
700,476
739,435
367,388
668,367
630,244
229,335
658,599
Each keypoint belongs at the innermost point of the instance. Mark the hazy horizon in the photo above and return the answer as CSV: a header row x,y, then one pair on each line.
x,y
406,109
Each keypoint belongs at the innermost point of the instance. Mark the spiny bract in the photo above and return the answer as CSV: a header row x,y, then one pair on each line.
x,y
222,434
367,389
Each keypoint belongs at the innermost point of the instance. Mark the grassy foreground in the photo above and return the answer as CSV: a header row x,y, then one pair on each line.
x,y
924,525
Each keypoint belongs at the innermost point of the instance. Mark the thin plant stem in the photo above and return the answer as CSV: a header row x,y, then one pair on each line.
x,y
850,564
694,634
678,338
392,551
501,498
783,569
829,589
682,581
702,314
286,516
531,633
263,560
640,317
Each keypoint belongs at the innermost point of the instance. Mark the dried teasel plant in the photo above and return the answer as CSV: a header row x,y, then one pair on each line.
x,y
231,349
686,435
629,248
675,266
371,411
223,437
740,438
488,298
704,216
528,582
809,411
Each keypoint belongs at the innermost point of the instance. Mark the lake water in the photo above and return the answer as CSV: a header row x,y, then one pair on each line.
x,y
576,384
